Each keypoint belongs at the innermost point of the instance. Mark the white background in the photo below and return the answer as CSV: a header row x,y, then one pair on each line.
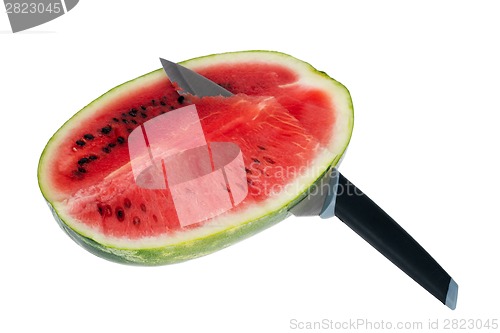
x,y
424,78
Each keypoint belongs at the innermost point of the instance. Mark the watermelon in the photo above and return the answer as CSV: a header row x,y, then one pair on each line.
x,y
290,123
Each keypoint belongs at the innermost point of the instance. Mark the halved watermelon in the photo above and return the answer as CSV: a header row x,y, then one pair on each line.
x,y
291,122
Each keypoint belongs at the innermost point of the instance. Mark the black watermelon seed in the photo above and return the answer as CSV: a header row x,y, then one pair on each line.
x,y
268,160
83,160
124,114
180,99
143,107
116,120
81,143
100,209
255,160
88,137
163,103
143,115
120,214
136,220
143,207
81,170
261,148
120,139
247,170
153,102
111,145
133,121
106,150
127,203
106,129
93,157
125,121
133,112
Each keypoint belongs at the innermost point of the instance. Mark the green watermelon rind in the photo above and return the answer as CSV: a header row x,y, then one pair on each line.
x,y
196,247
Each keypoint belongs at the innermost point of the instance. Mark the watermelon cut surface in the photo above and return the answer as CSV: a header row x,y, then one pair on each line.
x,y
291,123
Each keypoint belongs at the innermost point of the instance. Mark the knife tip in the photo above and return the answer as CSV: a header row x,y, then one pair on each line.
x,y
164,61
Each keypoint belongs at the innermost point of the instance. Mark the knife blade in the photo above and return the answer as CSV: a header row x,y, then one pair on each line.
x,y
350,205
191,82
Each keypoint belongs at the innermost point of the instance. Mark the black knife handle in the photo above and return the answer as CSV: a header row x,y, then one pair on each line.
x,y
368,220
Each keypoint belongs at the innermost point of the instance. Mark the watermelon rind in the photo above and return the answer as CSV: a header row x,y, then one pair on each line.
x,y
197,243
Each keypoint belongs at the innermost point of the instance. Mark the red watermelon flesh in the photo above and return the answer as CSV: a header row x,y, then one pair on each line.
x,y
312,107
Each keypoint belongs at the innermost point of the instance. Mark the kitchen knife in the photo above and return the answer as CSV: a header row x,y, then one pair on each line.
x,y
350,205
